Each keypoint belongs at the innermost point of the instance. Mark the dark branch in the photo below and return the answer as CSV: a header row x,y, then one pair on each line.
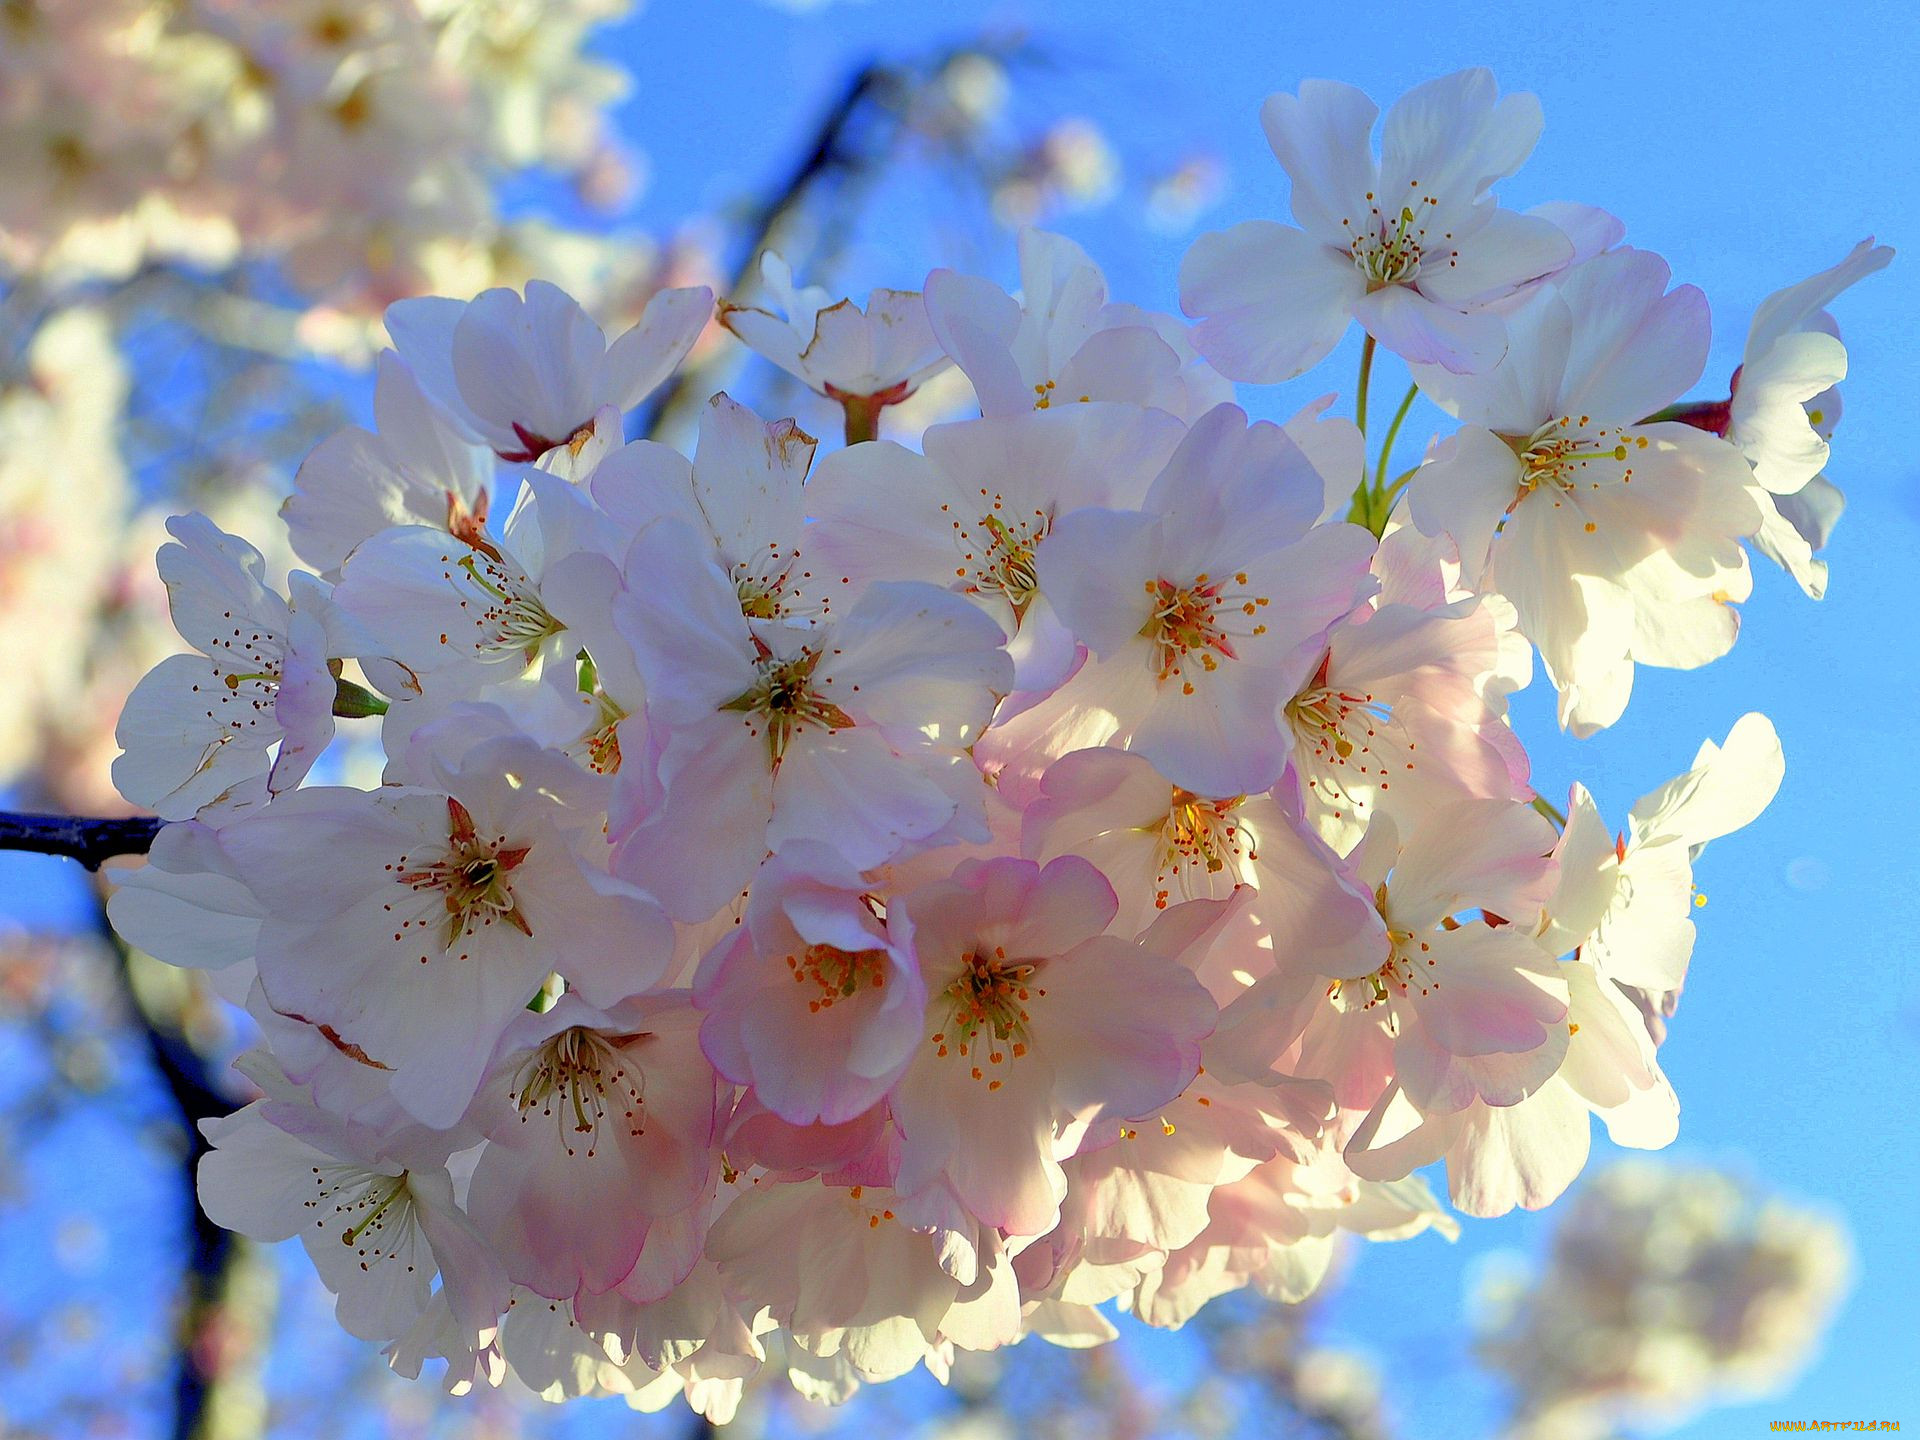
x,y
79,837
827,153
209,1267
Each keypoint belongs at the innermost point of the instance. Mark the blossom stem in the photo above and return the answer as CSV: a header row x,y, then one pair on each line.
x,y
1547,808
79,837
1393,433
1392,491
1366,379
863,417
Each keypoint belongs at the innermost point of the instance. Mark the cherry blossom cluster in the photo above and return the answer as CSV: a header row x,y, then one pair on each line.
x,y
826,907
1664,1290
357,141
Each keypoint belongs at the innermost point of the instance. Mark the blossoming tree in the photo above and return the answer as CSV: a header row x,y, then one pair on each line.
x,y
825,908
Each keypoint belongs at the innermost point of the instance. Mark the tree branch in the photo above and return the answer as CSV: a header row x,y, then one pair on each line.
x,y
78,837
210,1322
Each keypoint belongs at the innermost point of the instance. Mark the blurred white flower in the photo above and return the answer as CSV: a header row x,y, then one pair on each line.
x,y
1665,1291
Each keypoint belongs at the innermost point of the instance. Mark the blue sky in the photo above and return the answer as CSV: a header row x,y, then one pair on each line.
x,y
1750,145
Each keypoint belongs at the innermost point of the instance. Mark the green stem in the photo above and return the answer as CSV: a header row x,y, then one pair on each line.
x,y
1360,390
1547,808
1392,492
1393,433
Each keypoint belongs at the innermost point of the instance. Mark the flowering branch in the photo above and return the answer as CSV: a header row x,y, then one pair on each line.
x,y
86,839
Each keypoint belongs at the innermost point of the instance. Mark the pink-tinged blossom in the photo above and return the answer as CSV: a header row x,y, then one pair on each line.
x,y
1459,1000
970,513
461,611
197,728
1202,611
187,905
1412,245
873,357
1617,541
814,1002
1063,341
414,468
1276,1229
741,493
1160,845
526,376
378,1220
840,1269
1147,1192
600,1123
417,923
1527,1153
853,733
1407,703
1038,1025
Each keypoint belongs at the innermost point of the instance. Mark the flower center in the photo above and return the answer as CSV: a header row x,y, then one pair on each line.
x,y
767,586
782,702
1389,248
1408,968
598,746
580,1078
374,1211
1336,730
1567,455
837,974
502,604
1200,839
996,552
472,876
533,444
988,1011
1190,624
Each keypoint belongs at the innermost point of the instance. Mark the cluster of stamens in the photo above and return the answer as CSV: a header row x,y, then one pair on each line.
x,y
767,584
473,878
782,701
996,551
1043,395
988,1001
1200,839
837,974
1390,249
579,1079
377,1210
1565,455
245,686
1336,729
500,602
598,746
1408,969
1189,624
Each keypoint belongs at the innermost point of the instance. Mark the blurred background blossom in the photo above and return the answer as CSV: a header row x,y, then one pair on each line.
x,y
1664,1290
